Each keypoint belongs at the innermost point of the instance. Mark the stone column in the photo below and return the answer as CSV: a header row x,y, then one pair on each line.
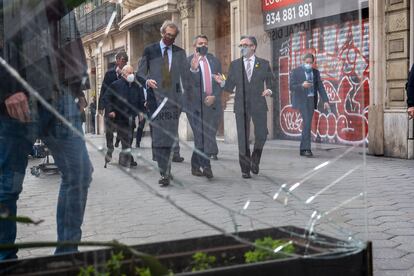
x,y
377,76
397,58
230,130
186,9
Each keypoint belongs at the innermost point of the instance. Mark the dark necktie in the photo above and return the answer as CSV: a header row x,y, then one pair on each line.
x,y
166,75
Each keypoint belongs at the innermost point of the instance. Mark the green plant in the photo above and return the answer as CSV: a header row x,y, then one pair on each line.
x,y
113,265
264,250
202,261
87,271
142,271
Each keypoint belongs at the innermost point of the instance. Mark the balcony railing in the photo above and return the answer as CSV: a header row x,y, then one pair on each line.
x,y
97,19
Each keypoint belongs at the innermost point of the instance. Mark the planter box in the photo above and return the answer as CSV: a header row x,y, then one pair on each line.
x,y
324,258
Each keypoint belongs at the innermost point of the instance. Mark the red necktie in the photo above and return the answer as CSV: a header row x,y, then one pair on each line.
x,y
207,77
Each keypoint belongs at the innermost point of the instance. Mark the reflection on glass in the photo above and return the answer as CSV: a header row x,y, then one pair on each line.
x,y
288,94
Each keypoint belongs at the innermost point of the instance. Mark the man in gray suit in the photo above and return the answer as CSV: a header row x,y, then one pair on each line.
x,y
204,110
164,71
247,77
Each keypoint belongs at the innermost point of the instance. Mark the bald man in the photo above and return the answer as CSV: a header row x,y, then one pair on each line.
x,y
125,99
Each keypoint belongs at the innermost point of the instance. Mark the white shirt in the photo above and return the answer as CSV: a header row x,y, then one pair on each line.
x,y
252,62
162,46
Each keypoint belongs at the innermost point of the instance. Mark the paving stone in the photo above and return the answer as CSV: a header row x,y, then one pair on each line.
x,y
126,209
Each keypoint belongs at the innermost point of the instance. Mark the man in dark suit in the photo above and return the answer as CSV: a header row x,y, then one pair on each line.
x,y
247,77
305,84
204,109
164,71
55,70
125,99
111,75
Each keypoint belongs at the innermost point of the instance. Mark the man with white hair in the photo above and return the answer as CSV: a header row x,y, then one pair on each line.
x,y
164,71
125,99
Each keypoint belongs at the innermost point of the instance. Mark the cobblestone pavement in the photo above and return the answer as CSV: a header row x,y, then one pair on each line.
x,y
123,208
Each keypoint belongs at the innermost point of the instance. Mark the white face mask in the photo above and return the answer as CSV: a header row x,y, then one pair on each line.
x,y
244,52
307,66
130,78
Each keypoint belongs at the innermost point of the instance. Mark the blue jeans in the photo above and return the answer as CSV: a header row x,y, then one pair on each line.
x,y
71,157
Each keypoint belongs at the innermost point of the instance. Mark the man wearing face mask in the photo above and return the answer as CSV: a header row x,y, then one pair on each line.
x,y
305,84
125,99
251,79
204,110
163,71
113,74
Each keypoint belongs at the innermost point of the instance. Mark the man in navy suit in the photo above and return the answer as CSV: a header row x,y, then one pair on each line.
x,y
124,100
305,84
204,109
164,71
111,75
247,78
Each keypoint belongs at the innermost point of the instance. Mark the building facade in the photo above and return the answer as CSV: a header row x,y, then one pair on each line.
x,y
364,76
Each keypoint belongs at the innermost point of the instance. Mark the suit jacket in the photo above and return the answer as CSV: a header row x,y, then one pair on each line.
x,y
125,99
198,95
410,88
151,67
250,91
297,77
110,77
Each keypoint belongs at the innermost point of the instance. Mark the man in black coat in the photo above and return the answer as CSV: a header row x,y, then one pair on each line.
x,y
247,77
164,71
204,110
111,75
306,84
410,93
124,100
56,70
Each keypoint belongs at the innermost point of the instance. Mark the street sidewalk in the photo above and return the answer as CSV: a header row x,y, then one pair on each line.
x,y
132,210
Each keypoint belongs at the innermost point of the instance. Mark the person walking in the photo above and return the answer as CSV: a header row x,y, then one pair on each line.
x,y
204,110
306,84
113,74
164,71
125,99
247,78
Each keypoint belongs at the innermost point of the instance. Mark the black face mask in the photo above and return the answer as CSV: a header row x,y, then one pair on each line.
x,y
203,50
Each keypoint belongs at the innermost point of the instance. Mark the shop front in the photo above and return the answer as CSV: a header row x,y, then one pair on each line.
x,y
337,34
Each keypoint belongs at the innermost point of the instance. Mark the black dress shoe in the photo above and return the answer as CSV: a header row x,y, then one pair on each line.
x,y
177,159
108,156
137,145
207,172
307,153
117,143
164,181
196,172
214,157
255,168
246,175
133,163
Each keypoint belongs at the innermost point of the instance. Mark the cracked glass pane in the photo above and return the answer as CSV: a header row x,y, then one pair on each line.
x,y
236,129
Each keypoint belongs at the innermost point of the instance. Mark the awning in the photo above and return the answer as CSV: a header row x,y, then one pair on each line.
x,y
149,10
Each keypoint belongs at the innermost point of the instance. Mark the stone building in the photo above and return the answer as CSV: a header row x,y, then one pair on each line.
x,y
364,76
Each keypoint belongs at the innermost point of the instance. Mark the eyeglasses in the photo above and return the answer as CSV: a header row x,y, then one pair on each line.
x,y
245,45
170,35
